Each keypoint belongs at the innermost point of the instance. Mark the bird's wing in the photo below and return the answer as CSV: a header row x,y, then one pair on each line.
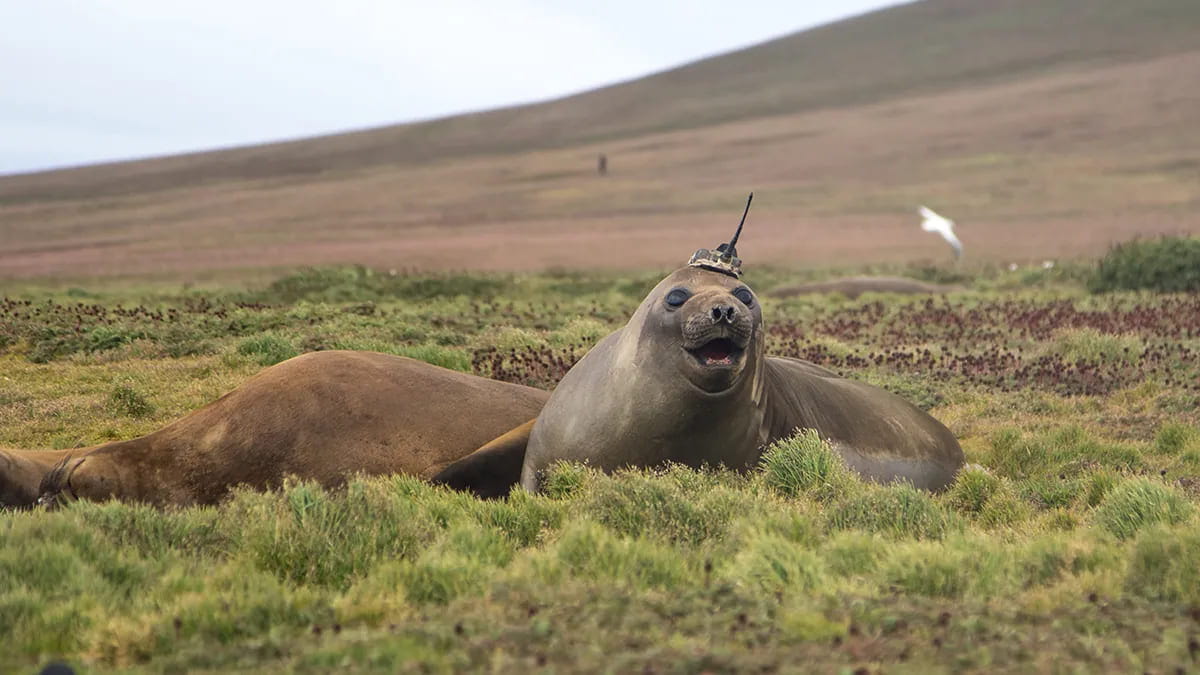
x,y
927,213
940,226
953,241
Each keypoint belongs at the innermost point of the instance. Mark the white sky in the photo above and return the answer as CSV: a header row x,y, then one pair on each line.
x,y
90,80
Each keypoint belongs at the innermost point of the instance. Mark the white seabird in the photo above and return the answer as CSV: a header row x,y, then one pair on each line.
x,y
943,226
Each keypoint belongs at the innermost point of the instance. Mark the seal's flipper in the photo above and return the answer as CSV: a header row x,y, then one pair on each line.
x,y
492,470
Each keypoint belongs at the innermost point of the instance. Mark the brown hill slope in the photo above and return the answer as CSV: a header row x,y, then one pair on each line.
x,y
1046,128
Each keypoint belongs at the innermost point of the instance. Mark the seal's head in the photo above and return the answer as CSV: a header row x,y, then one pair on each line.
x,y
708,324
707,318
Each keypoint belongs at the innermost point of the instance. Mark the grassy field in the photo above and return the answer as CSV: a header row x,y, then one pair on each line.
x,y
1071,546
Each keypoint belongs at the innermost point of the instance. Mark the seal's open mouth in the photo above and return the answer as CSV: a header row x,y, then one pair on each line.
x,y
718,352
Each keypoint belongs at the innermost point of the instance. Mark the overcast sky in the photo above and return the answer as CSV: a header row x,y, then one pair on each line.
x,y
83,81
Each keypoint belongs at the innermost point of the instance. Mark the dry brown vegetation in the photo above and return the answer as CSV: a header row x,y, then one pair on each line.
x,y
1046,131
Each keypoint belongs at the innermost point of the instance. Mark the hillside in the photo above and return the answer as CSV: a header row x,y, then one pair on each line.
x,y
1054,120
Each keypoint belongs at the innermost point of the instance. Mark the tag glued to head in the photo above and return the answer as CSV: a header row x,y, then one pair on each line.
x,y
724,259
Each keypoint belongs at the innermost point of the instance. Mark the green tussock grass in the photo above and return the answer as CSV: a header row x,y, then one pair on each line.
x,y
395,569
1077,517
1165,264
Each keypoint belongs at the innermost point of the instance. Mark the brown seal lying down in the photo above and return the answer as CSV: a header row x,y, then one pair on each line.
x,y
322,416
852,287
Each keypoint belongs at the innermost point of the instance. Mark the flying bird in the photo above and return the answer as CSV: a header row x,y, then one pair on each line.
x,y
943,226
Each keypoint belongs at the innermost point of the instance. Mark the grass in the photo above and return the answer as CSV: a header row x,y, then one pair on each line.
x,y
1076,519
1164,264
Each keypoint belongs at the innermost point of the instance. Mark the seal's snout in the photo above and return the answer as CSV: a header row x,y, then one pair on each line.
x,y
717,337
723,313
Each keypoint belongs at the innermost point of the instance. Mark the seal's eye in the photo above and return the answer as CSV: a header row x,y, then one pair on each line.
x,y
677,297
745,296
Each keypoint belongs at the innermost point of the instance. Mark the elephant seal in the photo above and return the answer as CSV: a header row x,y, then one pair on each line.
x,y
686,380
852,287
322,416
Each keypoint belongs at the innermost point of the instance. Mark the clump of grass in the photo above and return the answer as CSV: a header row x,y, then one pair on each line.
x,y
930,570
179,341
1172,438
1016,456
1051,492
810,625
1088,345
1139,502
578,331
102,338
772,563
566,479
1098,485
460,563
679,504
985,498
1163,565
972,489
310,537
1166,265
154,532
899,511
853,553
916,389
267,350
125,400
1063,452
804,463
521,518
588,550
453,359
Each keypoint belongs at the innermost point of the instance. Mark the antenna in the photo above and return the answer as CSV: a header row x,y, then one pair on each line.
x,y
724,259
733,242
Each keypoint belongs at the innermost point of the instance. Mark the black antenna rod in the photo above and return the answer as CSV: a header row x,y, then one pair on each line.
x,y
733,242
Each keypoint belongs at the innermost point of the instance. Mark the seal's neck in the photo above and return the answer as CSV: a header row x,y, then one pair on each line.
x,y
693,427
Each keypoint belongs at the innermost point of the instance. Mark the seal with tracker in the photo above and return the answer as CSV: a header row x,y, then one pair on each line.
x,y
322,416
686,380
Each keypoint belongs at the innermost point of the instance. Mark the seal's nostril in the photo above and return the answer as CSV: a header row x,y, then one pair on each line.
x,y
723,313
